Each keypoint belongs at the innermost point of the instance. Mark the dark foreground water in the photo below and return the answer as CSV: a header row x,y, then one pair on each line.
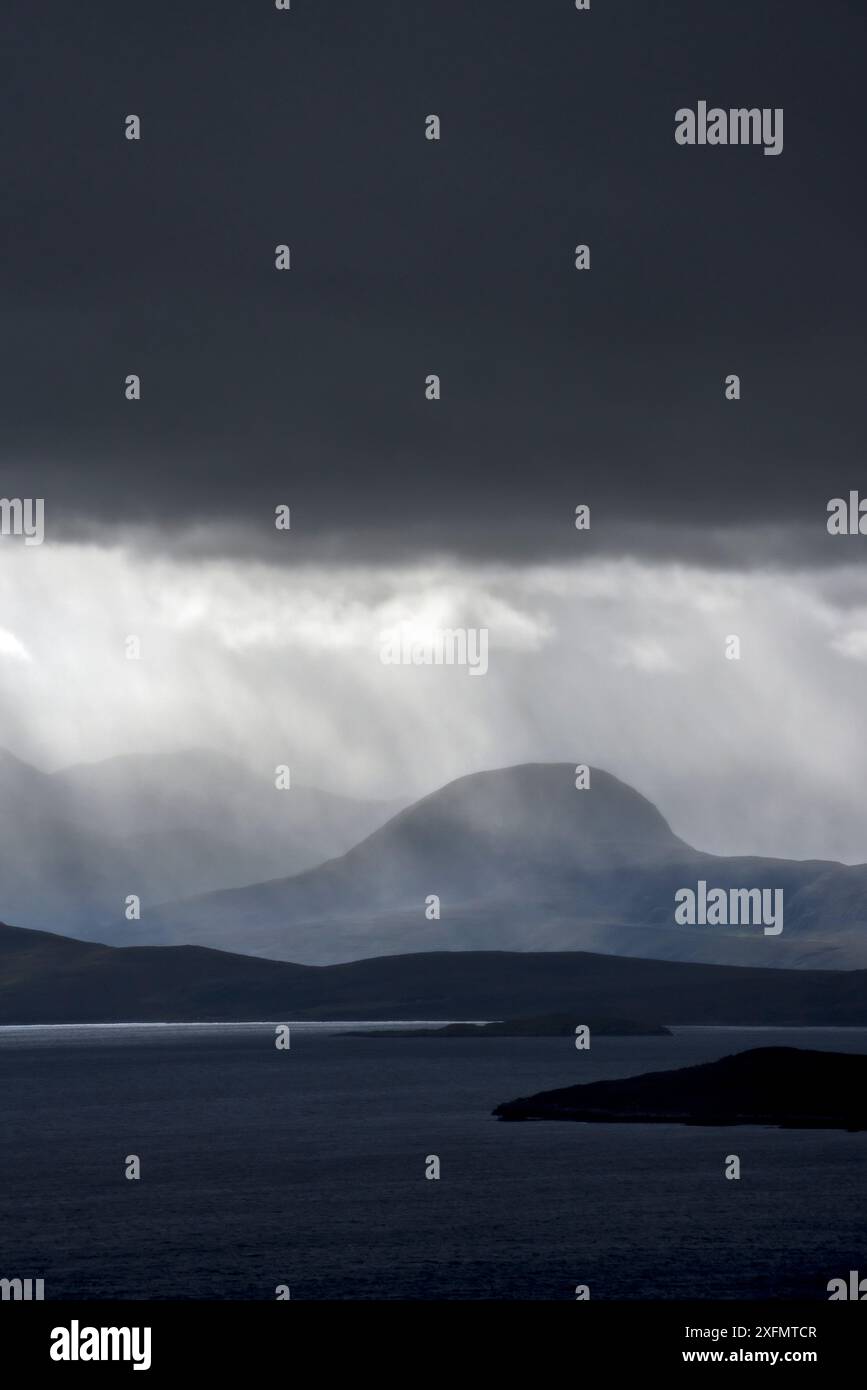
x,y
306,1168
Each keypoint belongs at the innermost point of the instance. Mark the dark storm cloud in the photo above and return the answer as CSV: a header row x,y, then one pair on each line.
x,y
411,257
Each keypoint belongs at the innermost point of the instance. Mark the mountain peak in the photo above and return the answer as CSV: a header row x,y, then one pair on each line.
x,y
537,807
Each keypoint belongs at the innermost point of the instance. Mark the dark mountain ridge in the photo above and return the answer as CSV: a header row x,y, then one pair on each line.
x,y
55,979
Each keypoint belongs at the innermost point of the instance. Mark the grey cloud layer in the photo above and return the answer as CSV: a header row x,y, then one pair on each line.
x,y
410,258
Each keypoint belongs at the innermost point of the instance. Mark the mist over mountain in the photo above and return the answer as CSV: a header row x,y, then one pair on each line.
x,y
522,860
75,843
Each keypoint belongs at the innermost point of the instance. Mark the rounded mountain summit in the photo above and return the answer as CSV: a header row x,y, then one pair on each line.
x,y
532,814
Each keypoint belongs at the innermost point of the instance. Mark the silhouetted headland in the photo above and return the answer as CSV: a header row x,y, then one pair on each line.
x,y
788,1087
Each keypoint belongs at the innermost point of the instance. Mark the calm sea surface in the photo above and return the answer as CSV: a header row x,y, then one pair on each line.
x,y
306,1168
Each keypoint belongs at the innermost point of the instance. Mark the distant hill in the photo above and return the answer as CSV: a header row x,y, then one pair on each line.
x,y
791,1087
74,843
53,979
542,1026
521,860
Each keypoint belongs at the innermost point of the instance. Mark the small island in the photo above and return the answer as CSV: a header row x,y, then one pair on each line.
x,y
543,1026
786,1087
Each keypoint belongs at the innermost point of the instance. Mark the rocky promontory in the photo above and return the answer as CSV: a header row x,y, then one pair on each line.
x,y
787,1087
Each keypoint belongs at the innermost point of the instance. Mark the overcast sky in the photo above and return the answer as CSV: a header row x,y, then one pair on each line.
x,y
559,387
